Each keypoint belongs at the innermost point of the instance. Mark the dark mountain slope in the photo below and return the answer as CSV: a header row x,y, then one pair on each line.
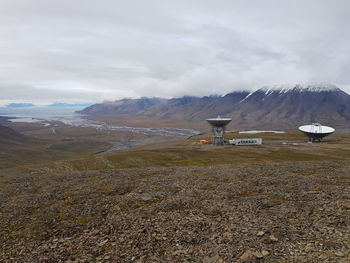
x,y
283,107
9,136
194,108
121,107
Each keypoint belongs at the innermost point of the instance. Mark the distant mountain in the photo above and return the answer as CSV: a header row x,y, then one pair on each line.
x,y
195,108
288,106
57,104
62,104
124,107
268,107
20,105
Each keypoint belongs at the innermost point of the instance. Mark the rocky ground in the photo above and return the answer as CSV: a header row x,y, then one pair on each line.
x,y
263,212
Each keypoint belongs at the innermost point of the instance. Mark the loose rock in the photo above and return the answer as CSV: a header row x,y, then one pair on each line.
x,y
260,233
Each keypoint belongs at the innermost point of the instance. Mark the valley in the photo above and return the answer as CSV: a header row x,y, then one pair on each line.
x,y
177,200
120,188
37,143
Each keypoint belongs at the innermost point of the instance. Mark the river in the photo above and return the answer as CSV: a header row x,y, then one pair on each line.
x,y
68,116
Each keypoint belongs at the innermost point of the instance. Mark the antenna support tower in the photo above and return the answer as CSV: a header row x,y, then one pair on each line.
x,y
218,128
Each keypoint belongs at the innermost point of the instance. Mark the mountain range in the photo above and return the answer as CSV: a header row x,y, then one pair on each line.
x,y
56,104
267,107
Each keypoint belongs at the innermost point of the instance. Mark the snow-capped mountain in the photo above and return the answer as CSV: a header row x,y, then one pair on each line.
x,y
287,106
284,106
300,88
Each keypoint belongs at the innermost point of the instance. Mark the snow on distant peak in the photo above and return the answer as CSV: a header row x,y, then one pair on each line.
x,y
316,87
276,88
268,90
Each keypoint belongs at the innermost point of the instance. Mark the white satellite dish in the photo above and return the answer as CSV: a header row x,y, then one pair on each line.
x,y
219,122
218,127
316,131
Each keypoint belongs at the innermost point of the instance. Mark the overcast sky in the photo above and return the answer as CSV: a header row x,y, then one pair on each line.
x,y
95,50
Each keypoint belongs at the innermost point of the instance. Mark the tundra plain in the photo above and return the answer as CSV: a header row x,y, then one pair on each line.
x,y
178,201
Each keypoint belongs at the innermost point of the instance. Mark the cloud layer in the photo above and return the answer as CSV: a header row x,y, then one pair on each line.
x,y
89,51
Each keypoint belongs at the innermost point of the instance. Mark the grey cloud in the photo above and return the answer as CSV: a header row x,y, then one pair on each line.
x,y
94,50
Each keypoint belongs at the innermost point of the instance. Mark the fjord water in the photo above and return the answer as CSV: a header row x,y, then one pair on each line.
x,y
38,114
68,116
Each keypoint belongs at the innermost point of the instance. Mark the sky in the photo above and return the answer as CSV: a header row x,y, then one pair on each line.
x,y
95,50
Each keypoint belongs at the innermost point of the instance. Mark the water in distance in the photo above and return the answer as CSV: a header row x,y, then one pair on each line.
x,y
68,116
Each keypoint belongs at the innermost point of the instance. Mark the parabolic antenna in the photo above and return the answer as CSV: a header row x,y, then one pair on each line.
x,y
316,131
218,127
219,122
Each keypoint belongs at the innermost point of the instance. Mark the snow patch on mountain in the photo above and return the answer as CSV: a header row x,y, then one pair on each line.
x,y
251,93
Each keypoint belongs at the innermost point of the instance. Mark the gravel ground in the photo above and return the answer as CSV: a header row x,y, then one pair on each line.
x,y
277,212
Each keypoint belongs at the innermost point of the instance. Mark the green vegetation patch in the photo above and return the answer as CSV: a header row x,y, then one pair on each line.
x,y
83,146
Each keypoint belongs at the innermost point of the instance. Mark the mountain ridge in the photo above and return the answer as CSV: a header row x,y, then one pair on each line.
x,y
277,106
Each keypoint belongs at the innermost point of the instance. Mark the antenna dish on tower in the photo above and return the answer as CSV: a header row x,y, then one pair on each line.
x,y
218,127
316,131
